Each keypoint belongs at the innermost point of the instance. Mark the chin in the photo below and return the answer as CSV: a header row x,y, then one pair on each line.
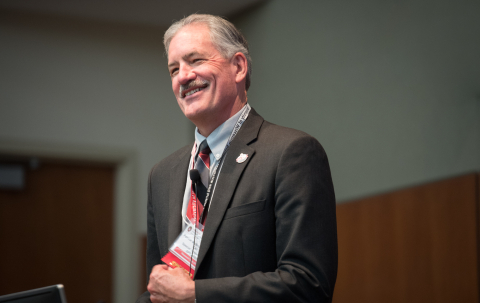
x,y
194,114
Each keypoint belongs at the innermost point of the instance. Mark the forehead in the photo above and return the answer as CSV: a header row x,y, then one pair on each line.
x,y
193,38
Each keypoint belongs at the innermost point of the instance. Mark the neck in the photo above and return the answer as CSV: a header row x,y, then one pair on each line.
x,y
208,125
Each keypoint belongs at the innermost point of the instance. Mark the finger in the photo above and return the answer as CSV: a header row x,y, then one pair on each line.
x,y
179,272
157,298
151,287
160,267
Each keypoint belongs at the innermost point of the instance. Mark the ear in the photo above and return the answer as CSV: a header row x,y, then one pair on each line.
x,y
240,64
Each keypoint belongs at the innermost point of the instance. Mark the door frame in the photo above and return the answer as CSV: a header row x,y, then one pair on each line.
x,y
126,242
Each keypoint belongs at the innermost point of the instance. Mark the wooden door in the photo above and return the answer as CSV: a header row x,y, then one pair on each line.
x,y
58,230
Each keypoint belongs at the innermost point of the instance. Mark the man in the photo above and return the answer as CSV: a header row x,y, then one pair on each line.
x,y
270,230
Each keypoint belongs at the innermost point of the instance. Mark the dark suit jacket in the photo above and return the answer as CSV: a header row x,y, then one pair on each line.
x,y
270,234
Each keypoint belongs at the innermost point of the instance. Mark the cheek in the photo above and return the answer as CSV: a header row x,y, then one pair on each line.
x,y
226,83
175,87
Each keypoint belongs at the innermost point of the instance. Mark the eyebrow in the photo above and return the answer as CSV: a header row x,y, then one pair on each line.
x,y
185,57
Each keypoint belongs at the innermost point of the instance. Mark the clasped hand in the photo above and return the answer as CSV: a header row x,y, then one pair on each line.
x,y
169,285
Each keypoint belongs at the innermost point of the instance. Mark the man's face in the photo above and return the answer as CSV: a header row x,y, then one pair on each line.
x,y
202,80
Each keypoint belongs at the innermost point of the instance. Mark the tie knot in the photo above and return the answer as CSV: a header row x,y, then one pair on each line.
x,y
204,148
204,153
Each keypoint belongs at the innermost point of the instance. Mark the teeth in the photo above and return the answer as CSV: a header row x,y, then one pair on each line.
x,y
193,91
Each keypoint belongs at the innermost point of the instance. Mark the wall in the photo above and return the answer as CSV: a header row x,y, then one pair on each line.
x,y
85,83
391,89
92,90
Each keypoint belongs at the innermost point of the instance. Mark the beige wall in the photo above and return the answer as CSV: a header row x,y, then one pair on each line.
x,y
100,91
82,83
391,89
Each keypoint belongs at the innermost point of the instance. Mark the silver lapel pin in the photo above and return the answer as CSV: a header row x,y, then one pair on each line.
x,y
242,158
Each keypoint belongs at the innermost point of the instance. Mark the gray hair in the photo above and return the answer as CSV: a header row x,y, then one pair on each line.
x,y
226,38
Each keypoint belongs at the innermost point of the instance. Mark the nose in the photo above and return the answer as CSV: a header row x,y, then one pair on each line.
x,y
185,74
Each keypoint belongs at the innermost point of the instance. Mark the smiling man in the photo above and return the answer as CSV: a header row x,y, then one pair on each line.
x,y
247,212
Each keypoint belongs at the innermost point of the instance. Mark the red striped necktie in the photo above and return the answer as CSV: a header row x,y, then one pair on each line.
x,y
202,164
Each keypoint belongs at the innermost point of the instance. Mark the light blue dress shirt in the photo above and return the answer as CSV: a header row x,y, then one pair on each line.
x,y
217,141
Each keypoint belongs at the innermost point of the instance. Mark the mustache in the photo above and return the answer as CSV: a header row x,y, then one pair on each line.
x,y
193,83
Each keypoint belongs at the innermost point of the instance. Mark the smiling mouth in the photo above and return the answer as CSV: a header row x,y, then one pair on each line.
x,y
193,87
193,91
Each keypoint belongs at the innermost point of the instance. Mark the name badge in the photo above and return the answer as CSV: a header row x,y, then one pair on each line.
x,y
184,251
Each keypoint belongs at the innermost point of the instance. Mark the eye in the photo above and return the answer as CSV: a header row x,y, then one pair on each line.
x,y
173,71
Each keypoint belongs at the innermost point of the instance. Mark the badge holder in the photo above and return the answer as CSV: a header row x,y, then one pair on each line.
x,y
184,251
181,254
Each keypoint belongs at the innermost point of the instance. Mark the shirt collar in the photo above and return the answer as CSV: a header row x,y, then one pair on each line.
x,y
219,137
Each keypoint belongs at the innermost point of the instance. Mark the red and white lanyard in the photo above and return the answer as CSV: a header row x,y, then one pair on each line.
x,y
194,208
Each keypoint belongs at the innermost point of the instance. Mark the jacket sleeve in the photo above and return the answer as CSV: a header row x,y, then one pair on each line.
x,y
306,238
153,253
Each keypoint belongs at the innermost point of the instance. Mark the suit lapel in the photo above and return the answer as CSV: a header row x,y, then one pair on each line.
x,y
228,179
178,177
